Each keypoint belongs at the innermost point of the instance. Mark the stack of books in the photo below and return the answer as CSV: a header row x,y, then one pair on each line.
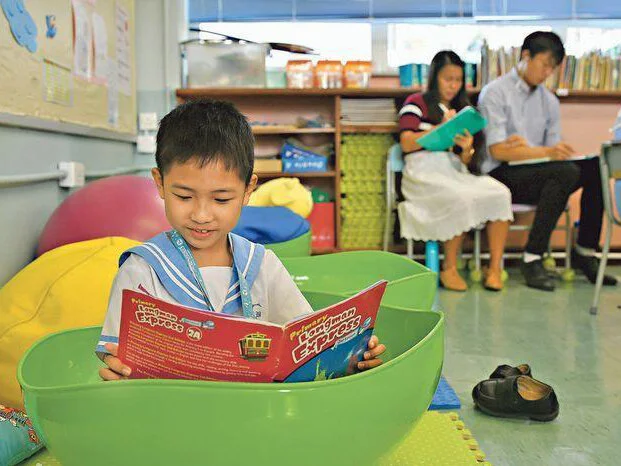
x,y
368,112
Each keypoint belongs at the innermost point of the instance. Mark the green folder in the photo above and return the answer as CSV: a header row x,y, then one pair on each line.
x,y
441,138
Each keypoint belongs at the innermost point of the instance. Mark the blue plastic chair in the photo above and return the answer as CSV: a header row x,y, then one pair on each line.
x,y
394,164
609,167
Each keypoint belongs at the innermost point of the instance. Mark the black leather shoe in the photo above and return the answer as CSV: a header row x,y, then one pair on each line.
x,y
518,397
589,266
536,276
505,370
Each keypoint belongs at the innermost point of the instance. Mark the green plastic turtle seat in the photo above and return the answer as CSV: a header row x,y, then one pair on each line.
x,y
410,284
348,421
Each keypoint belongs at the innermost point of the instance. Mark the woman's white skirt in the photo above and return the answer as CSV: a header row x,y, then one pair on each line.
x,y
443,200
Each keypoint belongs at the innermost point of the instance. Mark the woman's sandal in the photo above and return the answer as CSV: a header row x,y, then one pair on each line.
x,y
451,280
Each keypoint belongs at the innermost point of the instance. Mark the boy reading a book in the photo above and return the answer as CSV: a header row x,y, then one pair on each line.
x,y
205,157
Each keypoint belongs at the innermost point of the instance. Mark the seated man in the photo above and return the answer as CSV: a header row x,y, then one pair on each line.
x,y
524,123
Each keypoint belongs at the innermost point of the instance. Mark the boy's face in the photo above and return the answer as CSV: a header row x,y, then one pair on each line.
x,y
203,204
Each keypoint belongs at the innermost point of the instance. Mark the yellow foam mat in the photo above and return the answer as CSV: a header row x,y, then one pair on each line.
x,y
439,439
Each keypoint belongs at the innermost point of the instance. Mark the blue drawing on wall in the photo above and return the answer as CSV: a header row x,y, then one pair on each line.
x,y
22,25
50,22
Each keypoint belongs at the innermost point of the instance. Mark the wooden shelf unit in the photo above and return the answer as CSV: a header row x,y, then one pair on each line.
x,y
266,175
259,130
286,104
356,128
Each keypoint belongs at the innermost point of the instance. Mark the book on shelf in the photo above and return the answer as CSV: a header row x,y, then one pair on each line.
x,y
595,71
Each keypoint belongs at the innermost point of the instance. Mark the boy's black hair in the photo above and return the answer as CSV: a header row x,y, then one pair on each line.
x,y
206,131
432,96
542,42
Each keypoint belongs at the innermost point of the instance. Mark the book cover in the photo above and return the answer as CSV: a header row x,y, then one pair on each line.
x,y
575,158
442,137
163,340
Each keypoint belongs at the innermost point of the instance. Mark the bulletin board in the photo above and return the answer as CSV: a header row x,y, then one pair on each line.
x,y
69,63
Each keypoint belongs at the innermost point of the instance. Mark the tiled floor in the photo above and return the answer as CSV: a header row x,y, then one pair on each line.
x,y
575,352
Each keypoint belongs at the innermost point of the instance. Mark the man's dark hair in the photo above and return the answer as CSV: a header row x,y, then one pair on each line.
x,y
206,131
542,42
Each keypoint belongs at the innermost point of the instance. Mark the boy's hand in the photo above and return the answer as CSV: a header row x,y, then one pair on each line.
x,y
371,359
116,370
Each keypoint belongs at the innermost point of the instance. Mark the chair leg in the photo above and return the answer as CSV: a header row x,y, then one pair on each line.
x,y
602,269
410,246
477,250
387,229
432,256
568,240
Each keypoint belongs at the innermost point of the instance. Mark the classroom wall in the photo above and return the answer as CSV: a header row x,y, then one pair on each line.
x,y
24,210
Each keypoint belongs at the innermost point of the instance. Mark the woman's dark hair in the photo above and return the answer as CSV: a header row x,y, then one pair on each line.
x,y
432,96
543,42
461,100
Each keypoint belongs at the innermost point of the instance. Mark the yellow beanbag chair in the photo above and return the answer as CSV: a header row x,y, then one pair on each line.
x,y
64,288
285,192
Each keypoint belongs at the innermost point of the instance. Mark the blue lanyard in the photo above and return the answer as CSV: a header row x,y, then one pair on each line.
x,y
246,300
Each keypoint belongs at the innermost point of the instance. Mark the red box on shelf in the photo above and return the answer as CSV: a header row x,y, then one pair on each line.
x,y
321,220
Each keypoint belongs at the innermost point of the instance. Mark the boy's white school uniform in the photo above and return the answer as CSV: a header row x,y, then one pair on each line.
x,y
275,297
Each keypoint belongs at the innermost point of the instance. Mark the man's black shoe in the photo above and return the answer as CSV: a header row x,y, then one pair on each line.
x,y
536,276
589,266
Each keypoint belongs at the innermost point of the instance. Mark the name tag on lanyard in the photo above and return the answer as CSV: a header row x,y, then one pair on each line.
x,y
244,291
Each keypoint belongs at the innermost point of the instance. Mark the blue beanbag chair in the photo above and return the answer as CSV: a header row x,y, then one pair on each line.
x,y
268,225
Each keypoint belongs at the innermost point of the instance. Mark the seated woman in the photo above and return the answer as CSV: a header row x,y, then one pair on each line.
x,y
443,200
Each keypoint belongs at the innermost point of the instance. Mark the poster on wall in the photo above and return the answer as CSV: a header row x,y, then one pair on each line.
x,y
100,42
57,84
113,95
123,61
82,46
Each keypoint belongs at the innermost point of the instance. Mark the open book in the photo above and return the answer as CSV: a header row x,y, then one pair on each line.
x,y
442,137
548,159
164,340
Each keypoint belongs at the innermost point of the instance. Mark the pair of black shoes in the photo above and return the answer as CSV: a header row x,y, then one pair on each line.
x,y
512,392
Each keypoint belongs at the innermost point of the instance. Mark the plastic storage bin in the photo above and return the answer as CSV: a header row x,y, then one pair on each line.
x,y
296,247
164,422
410,284
211,64
321,220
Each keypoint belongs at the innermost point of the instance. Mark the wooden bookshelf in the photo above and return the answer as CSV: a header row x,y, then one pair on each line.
x,y
328,174
569,95
362,128
210,92
194,93
258,130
